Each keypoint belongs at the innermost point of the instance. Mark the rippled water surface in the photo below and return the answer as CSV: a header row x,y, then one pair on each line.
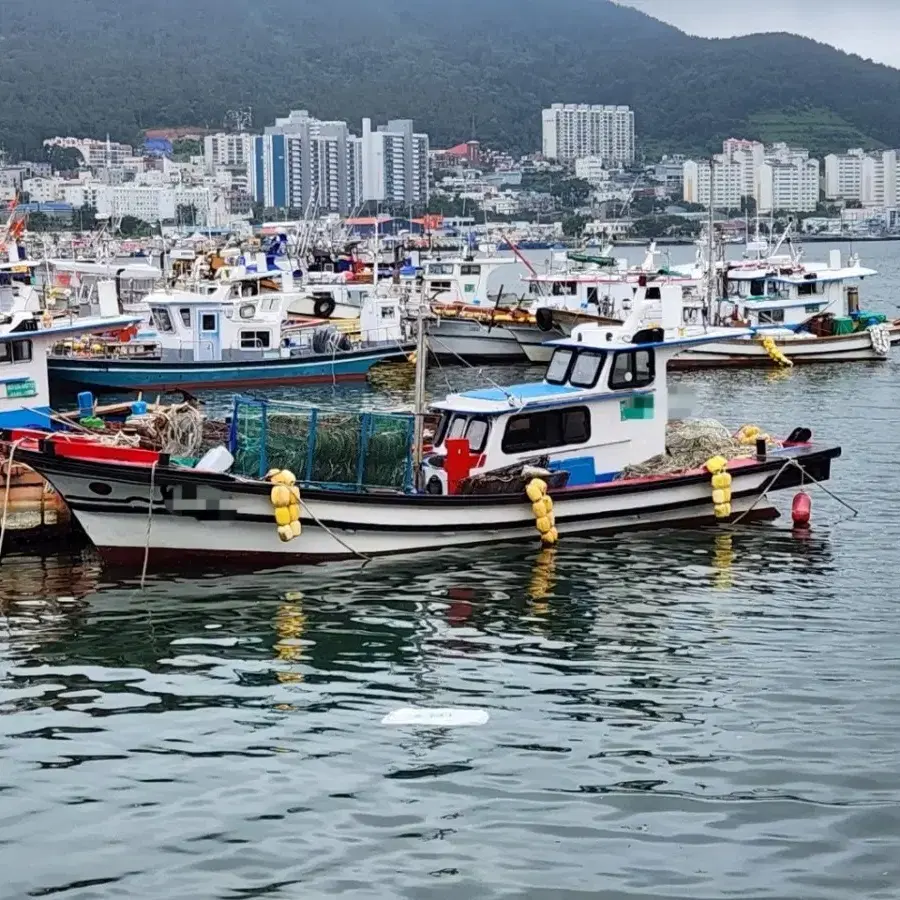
x,y
692,715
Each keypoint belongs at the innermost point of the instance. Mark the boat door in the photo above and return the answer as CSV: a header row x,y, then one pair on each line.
x,y
208,339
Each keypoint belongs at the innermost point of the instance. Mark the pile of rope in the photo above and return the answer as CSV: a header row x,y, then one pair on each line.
x,y
691,442
179,430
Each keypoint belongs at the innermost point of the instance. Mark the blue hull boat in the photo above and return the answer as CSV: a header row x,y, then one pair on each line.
x,y
158,375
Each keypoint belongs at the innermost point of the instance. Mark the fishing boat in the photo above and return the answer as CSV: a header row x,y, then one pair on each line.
x,y
236,335
810,312
496,458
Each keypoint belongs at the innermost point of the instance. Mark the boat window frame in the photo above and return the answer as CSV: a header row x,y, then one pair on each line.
x,y
483,420
470,269
622,385
206,329
185,313
572,351
256,332
25,345
562,413
5,352
587,352
770,317
162,320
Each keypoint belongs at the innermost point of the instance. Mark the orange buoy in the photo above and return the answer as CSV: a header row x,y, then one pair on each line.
x,y
801,508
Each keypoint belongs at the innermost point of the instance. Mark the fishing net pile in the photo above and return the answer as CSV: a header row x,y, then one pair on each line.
x,y
691,442
337,448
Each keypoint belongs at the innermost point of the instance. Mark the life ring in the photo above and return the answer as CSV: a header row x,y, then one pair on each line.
x,y
324,307
544,319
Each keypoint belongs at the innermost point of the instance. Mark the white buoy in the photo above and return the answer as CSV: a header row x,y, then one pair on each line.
x,y
436,717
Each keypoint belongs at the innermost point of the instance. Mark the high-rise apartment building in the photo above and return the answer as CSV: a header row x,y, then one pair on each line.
x,y
571,131
778,177
304,163
871,178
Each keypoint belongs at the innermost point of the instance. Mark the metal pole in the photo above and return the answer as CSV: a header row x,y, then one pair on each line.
x,y
711,277
421,365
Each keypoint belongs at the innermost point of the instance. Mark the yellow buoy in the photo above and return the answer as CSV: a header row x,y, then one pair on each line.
x,y
285,497
542,508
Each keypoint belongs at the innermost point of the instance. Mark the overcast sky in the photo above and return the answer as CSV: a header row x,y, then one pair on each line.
x,y
870,28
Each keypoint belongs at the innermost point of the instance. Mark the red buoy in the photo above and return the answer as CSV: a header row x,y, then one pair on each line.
x,y
801,509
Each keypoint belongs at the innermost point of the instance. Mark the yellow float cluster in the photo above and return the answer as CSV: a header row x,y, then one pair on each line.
x,y
285,497
774,351
542,507
721,485
747,435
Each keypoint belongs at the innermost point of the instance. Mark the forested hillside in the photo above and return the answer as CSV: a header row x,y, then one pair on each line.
x,y
88,67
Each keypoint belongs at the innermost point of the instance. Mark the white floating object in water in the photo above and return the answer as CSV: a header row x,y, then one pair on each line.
x,y
436,717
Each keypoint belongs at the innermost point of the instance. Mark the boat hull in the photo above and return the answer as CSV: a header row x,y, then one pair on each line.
x,y
856,347
533,341
156,375
218,518
471,340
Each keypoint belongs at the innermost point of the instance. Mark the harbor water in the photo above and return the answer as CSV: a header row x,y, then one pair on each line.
x,y
701,714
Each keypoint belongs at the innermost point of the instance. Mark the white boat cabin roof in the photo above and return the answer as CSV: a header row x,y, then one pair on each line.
x,y
804,275
577,378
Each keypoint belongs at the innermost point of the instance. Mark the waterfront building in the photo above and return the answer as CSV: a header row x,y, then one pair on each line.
x,y
870,178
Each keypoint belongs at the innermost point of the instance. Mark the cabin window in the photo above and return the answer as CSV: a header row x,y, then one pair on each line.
x,y
757,288
586,368
21,351
5,354
469,270
247,311
161,319
441,285
771,316
255,340
558,370
653,293
476,434
440,269
632,369
545,430
185,314
208,322
389,312
809,288
457,427
441,430
564,288
812,308
593,296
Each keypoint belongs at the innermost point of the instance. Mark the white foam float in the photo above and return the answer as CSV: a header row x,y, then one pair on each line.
x,y
436,717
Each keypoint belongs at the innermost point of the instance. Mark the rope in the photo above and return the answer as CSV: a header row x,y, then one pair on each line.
x,y
481,371
149,523
331,534
9,467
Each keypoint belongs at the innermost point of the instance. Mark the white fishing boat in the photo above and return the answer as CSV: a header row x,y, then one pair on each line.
x,y
602,408
810,312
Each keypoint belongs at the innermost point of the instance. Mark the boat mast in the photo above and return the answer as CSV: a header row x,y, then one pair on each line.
x,y
710,249
421,366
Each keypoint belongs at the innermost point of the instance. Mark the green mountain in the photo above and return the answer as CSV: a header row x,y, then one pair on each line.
x,y
88,67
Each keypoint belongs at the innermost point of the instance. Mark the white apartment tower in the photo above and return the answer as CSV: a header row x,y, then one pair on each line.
x,y
777,177
871,178
395,163
571,131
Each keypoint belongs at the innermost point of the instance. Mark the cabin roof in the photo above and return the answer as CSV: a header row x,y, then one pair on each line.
x,y
495,400
821,275
85,325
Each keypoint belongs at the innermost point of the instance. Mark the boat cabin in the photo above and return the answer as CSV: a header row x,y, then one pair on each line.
x,y
26,340
603,405
789,298
472,282
240,320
